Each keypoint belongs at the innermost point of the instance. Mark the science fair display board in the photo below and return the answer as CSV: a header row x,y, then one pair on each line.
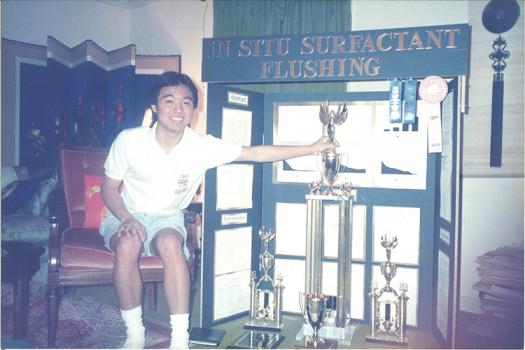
x,y
400,149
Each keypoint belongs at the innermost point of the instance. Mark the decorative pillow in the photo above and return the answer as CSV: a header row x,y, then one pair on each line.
x,y
37,204
94,207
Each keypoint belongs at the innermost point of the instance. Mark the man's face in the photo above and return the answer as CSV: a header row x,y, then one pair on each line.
x,y
174,108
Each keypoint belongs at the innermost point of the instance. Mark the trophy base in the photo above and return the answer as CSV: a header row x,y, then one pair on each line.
x,y
384,338
342,335
257,340
262,326
319,343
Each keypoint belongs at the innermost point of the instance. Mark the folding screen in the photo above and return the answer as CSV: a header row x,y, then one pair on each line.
x,y
82,95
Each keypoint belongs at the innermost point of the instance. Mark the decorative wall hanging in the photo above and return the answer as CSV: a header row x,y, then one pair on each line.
x,y
498,17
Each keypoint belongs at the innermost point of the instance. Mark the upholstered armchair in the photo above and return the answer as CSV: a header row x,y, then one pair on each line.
x,y
77,255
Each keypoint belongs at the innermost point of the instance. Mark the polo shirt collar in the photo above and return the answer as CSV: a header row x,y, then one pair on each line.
x,y
153,144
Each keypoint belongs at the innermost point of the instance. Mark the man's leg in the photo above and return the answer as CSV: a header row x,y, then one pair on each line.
x,y
168,245
128,285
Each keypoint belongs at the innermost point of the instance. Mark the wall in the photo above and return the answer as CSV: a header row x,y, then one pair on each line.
x,y
164,27
32,21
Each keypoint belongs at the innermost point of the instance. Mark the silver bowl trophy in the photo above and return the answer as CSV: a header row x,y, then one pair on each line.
x,y
315,311
265,303
336,327
388,306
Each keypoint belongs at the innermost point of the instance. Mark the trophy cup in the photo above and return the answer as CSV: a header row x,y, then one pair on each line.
x,y
265,304
314,309
330,160
388,307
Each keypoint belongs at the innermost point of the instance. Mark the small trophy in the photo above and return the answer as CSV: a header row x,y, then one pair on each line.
x,y
330,160
315,311
388,307
265,304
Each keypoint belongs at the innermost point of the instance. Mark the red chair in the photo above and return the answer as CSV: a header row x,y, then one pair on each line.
x,y
77,255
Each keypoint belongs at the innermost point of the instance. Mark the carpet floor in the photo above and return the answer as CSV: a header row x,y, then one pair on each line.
x,y
84,322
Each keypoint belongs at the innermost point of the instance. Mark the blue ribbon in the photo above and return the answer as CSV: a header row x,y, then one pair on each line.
x,y
409,102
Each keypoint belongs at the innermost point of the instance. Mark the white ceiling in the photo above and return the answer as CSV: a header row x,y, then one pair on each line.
x,y
126,4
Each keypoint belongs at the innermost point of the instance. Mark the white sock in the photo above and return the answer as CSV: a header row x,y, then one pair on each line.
x,y
179,331
135,330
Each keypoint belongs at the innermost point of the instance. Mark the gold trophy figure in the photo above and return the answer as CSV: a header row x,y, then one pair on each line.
x,y
330,160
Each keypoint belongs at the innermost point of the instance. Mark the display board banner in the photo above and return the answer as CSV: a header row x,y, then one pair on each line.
x,y
360,55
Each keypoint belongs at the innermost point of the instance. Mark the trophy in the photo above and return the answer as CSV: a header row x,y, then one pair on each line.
x,y
330,161
265,304
388,307
315,311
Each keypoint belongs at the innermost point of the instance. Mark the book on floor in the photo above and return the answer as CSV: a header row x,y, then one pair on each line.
x,y
206,336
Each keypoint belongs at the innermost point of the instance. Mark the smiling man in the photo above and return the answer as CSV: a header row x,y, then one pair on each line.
x,y
160,168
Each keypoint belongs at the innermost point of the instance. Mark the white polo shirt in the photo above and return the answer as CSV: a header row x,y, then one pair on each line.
x,y
156,182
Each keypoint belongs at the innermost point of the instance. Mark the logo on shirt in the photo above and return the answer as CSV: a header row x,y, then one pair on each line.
x,y
182,184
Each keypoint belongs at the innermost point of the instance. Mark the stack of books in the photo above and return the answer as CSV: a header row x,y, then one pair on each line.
x,y
501,287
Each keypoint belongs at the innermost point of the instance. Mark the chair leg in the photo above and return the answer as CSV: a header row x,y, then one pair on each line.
x,y
151,292
53,300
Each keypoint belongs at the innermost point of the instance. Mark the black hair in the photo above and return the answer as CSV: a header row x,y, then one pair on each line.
x,y
173,79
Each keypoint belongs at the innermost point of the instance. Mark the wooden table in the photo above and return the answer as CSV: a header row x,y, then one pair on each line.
x,y
20,262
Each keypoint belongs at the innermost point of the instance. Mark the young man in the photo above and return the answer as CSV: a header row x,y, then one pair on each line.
x,y
161,168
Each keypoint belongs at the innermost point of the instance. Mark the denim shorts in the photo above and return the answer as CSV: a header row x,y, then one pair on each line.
x,y
152,222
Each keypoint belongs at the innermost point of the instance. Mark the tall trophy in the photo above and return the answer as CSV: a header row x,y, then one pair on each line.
x,y
315,311
388,306
266,295
337,327
331,160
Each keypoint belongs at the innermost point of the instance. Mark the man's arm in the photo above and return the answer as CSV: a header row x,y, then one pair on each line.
x,y
114,202
272,153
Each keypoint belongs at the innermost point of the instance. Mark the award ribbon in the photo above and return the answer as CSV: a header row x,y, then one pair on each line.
x,y
409,102
395,101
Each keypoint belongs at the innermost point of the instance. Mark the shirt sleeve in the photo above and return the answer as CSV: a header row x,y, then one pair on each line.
x,y
219,152
117,163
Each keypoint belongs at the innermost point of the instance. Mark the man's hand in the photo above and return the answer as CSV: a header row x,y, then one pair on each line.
x,y
131,227
324,144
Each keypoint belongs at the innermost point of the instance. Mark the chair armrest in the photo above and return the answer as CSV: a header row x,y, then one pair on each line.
x,y
58,222
54,244
57,207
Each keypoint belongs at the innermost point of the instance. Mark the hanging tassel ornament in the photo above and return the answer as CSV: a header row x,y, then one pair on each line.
x,y
498,17
496,135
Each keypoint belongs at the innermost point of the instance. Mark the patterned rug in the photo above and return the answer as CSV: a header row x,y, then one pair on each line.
x,y
84,322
